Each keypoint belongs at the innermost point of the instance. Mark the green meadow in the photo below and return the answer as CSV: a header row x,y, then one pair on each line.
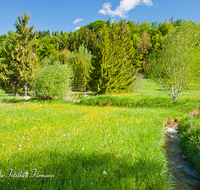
x,y
104,142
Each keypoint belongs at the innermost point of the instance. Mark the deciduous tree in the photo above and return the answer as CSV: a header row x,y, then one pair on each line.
x,y
143,46
177,63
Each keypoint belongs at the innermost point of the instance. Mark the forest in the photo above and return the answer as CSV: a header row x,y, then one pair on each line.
x,y
104,57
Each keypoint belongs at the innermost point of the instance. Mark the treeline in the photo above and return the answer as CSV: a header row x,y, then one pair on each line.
x,y
104,56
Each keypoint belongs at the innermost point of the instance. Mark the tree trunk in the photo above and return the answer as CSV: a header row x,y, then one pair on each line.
x,y
174,99
16,93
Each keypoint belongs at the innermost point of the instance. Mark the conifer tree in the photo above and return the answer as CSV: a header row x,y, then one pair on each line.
x,y
112,66
101,63
17,68
64,41
143,46
122,68
81,63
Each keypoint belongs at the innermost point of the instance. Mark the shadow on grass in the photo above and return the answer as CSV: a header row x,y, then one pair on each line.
x,y
11,100
8,98
89,171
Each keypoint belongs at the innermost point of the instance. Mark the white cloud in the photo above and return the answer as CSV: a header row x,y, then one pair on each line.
x,y
78,20
77,28
124,7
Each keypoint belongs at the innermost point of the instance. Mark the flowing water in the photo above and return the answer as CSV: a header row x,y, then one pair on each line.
x,y
185,176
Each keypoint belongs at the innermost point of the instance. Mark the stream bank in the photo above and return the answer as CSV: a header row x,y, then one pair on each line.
x,y
185,176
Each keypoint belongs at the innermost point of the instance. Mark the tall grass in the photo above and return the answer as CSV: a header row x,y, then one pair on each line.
x,y
189,129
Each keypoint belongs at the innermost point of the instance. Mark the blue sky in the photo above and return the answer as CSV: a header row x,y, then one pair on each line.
x,y
66,15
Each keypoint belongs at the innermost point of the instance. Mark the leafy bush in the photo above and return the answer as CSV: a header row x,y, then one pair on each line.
x,y
1,91
53,81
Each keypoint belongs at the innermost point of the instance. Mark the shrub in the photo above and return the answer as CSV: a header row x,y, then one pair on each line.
x,y
1,91
53,81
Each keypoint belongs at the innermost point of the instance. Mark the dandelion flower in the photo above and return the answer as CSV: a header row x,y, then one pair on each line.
x,y
104,172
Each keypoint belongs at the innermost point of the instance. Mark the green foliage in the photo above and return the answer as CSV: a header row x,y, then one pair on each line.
x,y
173,66
64,56
50,59
140,39
96,26
145,27
18,65
156,38
1,91
112,64
81,63
46,48
165,27
144,46
189,129
177,22
64,41
53,81
83,36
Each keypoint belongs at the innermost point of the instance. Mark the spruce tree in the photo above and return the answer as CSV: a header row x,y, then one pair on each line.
x,y
113,65
81,63
143,47
17,67
122,58
101,63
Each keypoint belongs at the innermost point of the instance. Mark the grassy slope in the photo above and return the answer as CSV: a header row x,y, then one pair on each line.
x,y
91,147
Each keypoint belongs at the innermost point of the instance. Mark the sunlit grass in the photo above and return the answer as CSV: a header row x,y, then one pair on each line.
x,y
78,143
90,146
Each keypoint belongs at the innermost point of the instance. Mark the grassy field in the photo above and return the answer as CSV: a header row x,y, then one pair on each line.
x,y
90,145
5,98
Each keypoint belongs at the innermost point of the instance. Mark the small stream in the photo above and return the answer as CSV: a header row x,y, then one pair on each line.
x,y
185,176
